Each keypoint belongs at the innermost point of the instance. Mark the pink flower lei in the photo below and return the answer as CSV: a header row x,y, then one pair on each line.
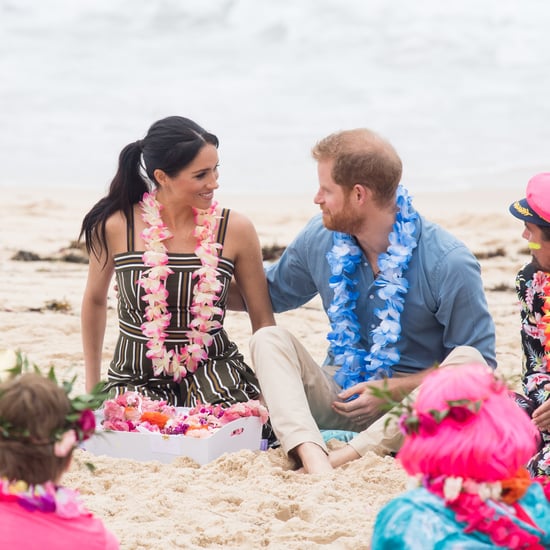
x,y
468,500
205,292
46,497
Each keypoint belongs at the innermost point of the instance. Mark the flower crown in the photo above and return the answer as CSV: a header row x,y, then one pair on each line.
x,y
426,423
79,422
411,421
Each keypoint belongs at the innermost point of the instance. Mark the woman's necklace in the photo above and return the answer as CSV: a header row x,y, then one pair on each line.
x,y
46,497
356,364
205,292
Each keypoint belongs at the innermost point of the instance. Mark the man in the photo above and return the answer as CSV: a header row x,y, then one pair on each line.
x,y
401,294
533,290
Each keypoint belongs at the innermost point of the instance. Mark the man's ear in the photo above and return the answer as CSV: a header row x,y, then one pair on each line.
x,y
361,193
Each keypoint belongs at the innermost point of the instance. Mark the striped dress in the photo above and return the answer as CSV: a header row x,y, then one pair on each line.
x,y
223,379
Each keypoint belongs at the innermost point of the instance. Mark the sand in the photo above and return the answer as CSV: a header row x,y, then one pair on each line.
x,y
246,499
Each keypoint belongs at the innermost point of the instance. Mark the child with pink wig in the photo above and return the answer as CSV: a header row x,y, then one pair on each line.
x,y
467,443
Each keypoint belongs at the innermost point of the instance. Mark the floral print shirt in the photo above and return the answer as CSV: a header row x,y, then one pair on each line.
x,y
530,284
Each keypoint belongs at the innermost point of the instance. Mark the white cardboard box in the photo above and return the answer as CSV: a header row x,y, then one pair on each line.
x,y
243,433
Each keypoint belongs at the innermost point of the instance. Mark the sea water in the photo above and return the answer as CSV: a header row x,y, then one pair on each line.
x,y
460,88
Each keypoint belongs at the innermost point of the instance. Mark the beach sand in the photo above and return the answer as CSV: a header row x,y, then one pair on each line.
x,y
246,499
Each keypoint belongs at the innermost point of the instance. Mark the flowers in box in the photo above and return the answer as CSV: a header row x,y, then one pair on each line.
x,y
133,412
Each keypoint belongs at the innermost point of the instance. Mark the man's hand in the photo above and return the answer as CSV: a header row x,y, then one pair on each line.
x,y
367,407
541,415
359,403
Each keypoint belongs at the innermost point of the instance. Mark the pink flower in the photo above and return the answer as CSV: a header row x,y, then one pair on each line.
x,y
113,410
65,445
152,258
539,281
86,423
67,503
118,425
205,293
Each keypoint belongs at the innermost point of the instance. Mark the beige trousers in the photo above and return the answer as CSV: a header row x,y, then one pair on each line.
x,y
299,394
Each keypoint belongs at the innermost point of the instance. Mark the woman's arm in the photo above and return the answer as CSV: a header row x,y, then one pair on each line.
x,y
249,272
235,301
93,317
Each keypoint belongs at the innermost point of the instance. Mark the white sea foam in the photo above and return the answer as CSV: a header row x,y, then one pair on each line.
x,y
461,88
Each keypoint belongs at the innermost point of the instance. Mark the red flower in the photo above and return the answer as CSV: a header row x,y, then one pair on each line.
x,y
427,424
86,424
460,413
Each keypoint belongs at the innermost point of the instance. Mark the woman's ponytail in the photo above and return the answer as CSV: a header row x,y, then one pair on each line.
x,y
126,189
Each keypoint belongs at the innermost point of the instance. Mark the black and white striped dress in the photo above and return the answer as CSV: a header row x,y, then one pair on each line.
x,y
223,379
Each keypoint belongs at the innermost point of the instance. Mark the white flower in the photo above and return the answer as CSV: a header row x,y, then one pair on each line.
x,y
8,360
413,482
452,488
488,491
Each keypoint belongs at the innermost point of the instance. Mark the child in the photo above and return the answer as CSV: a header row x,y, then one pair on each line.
x,y
467,442
40,427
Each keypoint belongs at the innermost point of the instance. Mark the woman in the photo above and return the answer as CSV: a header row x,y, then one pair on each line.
x,y
173,252
467,442
39,429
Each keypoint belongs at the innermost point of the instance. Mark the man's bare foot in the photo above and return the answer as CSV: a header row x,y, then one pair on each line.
x,y
314,459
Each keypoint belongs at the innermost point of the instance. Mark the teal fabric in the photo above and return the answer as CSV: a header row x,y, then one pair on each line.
x,y
419,520
341,435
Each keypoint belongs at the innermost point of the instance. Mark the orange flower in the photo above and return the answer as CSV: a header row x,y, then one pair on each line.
x,y
514,488
153,417
198,427
131,413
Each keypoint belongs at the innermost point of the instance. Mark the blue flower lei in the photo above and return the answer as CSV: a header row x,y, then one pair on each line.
x,y
356,364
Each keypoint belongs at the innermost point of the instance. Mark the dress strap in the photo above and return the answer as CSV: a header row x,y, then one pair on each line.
x,y
130,230
222,227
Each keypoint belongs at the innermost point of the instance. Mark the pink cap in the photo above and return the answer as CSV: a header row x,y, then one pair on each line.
x,y
538,195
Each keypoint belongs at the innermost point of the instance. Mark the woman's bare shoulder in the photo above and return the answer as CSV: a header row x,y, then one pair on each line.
x,y
115,231
241,235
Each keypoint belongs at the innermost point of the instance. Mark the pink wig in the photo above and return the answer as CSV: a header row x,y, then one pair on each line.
x,y
490,445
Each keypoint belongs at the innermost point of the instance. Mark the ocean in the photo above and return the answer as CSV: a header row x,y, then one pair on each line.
x,y
462,89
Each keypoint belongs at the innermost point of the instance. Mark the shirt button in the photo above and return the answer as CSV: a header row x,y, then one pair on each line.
x,y
372,326
371,296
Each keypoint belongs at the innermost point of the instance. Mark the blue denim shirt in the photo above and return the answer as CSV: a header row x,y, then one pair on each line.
x,y
445,306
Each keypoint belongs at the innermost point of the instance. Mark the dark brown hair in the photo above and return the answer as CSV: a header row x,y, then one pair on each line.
x,y
170,145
